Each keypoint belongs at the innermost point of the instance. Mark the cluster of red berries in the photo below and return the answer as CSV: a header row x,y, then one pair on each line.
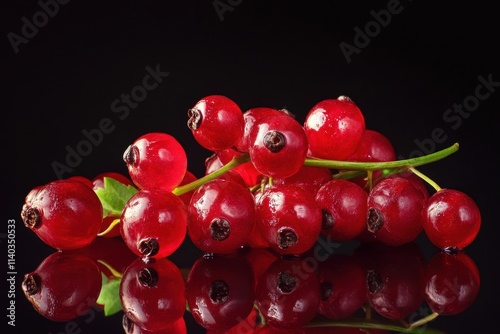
x,y
271,182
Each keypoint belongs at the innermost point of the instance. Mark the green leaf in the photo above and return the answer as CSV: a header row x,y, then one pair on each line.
x,y
114,195
110,296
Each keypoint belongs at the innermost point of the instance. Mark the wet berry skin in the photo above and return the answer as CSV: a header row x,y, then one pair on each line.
x,y
219,291
64,286
452,283
334,128
150,155
154,223
216,122
221,216
65,214
152,293
451,219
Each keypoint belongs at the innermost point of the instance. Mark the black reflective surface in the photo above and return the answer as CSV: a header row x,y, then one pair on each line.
x,y
74,73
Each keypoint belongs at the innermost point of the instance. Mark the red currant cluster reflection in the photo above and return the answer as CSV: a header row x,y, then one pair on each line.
x,y
255,290
270,198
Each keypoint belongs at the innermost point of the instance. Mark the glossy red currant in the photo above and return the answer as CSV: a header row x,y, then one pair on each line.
x,y
278,146
152,293
288,293
154,223
252,116
395,211
221,216
149,158
344,208
216,122
63,286
219,291
289,218
334,128
65,214
451,219
308,178
452,282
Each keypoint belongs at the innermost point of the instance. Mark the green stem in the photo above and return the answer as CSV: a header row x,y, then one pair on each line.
x,y
413,162
331,164
202,180
425,178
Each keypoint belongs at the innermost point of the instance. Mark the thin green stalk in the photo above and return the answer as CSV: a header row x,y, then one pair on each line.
x,y
413,162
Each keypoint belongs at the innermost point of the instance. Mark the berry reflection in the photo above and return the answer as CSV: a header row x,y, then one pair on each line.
x,y
374,288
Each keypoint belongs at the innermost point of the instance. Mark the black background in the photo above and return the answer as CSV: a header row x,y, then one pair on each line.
x,y
259,53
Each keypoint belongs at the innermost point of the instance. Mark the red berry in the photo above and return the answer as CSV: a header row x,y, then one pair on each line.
x,y
451,219
395,211
288,293
221,216
65,214
150,156
278,146
152,293
219,291
252,116
154,223
374,146
289,218
308,178
216,122
64,286
334,128
344,207
452,283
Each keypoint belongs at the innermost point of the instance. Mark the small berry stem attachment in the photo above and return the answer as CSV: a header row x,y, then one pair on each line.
x,y
113,271
424,320
425,178
110,227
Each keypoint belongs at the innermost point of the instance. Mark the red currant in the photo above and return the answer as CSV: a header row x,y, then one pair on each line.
x,y
395,211
221,216
452,283
216,122
288,293
252,116
219,291
451,219
344,207
309,178
278,146
154,223
334,128
64,286
289,218
150,156
65,214
152,293
176,327
374,146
